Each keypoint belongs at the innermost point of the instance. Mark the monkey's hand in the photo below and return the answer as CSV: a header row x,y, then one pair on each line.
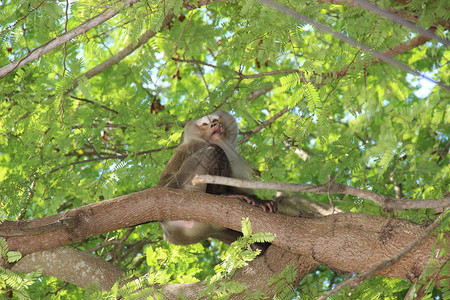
x,y
267,206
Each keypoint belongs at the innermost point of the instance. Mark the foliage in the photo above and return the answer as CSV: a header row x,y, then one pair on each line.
x,y
11,256
68,138
284,282
11,282
237,256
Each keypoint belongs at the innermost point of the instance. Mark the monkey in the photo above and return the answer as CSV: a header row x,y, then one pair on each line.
x,y
208,147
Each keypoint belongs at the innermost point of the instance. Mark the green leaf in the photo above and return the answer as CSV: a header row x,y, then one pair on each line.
x,y
13,256
246,227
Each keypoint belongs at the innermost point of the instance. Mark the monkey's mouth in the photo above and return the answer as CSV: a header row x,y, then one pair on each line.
x,y
217,131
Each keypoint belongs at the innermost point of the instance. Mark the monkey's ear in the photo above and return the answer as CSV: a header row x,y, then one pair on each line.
x,y
187,132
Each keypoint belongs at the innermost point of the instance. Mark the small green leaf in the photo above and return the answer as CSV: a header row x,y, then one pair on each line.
x,y
13,256
3,215
3,247
246,227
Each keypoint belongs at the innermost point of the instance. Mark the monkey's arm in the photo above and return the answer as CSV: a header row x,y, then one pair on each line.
x,y
195,158
181,154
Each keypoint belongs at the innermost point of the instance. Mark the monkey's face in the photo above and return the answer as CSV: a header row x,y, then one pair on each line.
x,y
214,128
211,128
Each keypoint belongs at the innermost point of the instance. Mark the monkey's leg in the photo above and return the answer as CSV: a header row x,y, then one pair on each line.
x,y
228,236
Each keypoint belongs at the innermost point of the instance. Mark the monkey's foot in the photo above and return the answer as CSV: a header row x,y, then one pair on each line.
x,y
267,206
261,246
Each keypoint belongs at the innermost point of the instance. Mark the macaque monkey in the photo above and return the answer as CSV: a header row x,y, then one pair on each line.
x,y
208,147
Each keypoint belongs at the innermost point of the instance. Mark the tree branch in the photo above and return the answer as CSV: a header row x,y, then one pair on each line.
x,y
354,281
91,269
58,41
346,242
92,102
61,263
103,157
391,52
130,48
263,125
388,203
198,62
379,55
395,18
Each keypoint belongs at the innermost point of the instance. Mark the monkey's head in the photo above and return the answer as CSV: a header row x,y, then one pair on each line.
x,y
215,128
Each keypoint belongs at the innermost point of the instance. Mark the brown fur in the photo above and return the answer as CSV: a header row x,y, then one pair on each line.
x,y
208,147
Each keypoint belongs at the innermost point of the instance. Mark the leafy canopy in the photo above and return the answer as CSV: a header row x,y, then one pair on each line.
x,y
69,137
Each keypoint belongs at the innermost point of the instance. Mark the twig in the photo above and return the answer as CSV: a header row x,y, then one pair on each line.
x,y
65,44
241,75
255,94
104,157
235,88
388,203
330,181
353,282
277,72
264,124
92,102
33,9
121,245
198,62
204,79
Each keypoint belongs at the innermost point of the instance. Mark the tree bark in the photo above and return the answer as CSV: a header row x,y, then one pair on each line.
x,y
83,269
71,265
346,242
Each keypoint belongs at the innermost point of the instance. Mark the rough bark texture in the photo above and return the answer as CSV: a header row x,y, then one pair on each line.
x,y
71,265
346,242
83,269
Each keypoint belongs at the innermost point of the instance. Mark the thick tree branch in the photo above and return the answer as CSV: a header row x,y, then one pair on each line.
x,y
71,265
388,203
347,242
354,281
58,41
90,269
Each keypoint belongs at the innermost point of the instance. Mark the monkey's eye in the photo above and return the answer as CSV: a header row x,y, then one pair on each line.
x,y
215,121
205,124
